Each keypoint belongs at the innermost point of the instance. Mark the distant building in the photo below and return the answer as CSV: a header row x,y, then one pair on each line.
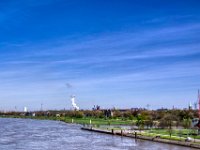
x,y
33,114
108,113
190,106
195,122
96,107
162,109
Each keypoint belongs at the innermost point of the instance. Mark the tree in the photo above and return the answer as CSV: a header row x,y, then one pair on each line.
x,y
149,122
140,121
117,114
167,122
186,123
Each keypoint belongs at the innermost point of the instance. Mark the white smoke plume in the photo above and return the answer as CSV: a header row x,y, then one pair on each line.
x,y
74,103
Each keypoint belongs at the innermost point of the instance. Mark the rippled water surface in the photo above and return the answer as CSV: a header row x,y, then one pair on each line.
x,y
27,134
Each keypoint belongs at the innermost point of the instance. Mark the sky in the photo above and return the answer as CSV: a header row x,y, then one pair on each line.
x,y
116,53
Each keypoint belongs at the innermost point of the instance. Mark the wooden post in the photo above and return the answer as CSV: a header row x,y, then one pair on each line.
x,y
121,132
135,134
112,131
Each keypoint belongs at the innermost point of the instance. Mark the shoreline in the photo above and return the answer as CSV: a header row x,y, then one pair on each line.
x,y
121,133
153,139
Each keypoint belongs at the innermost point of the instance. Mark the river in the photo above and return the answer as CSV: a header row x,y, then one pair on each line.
x,y
27,134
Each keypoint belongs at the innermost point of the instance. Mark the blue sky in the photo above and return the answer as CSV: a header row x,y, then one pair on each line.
x,y
122,54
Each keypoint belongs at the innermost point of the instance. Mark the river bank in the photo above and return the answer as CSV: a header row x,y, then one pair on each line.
x,y
137,135
23,134
97,123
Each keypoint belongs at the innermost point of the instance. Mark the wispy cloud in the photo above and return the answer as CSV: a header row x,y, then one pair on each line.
x,y
107,64
107,50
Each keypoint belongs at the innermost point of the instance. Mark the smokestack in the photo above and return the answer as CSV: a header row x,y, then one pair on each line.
x,y
75,107
25,109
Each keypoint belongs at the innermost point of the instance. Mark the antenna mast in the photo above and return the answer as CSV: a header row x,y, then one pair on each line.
x,y
41,107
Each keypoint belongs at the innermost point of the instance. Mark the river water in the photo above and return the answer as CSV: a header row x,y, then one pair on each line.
x,y
27,134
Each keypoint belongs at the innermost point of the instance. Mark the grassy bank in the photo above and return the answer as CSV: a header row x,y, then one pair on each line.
x,y
97,121
178,133
143,136
85,120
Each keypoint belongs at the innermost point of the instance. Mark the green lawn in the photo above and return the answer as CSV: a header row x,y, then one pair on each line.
x,y
175,132
97,121
85,120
